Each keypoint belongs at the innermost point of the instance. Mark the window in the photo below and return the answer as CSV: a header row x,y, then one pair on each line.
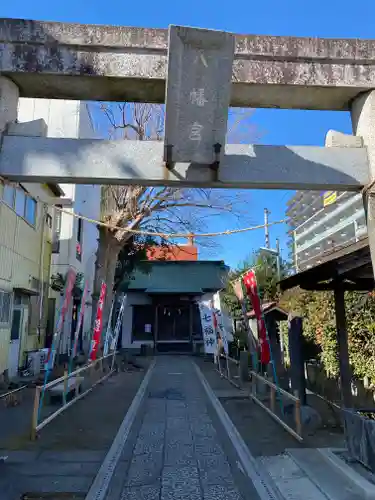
x,y
8,195
5,306
20,202
30,210
56,232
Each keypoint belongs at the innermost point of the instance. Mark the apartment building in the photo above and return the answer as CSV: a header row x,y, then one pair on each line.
x,y
74,240
26,218
321,223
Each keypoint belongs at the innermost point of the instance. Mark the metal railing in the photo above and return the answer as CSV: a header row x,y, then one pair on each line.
x,y
70,388
281,405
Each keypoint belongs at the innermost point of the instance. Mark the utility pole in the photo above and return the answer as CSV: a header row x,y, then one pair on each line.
x,y
266,232
278,258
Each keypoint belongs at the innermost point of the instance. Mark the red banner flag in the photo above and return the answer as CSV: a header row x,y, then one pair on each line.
x,y
70,282
98,324
250,282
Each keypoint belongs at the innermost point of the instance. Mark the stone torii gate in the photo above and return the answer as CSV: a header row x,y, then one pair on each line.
x,y
198,73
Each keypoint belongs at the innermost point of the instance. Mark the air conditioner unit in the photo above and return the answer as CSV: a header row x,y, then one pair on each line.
x,y
34,362
34,283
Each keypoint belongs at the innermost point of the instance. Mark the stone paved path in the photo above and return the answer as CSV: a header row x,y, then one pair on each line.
x,y
177,448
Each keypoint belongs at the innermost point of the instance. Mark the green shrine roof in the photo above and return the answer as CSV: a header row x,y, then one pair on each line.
x,y
183,277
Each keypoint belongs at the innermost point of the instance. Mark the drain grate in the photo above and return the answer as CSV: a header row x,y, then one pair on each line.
x,y
170,394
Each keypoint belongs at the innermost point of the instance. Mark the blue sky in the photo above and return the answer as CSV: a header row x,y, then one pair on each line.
x,y
290,17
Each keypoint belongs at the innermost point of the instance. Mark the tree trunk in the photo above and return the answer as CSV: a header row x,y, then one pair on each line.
x,y
105,266
113,253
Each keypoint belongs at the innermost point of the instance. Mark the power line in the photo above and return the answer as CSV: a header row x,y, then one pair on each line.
x,y
167,235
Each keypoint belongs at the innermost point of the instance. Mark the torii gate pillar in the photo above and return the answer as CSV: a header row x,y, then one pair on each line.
x,y
363,121
9,95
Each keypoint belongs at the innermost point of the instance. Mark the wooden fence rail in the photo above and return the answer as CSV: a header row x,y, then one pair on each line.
x,y
13,397
275,393
261,387
230,370
94,373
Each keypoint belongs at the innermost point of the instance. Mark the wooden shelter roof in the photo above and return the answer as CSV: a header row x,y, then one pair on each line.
x,y
350,267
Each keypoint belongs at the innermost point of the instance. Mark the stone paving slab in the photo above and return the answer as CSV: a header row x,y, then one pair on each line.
x,y
176,449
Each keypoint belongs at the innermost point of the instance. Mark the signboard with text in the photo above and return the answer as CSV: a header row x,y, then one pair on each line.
x,y
208,328
198,93
329,197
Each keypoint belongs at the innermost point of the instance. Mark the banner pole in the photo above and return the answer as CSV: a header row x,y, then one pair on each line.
x,y
70,281
108,332
78,328
117,332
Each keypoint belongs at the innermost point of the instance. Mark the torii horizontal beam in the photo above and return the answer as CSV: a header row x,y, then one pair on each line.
x,y
40,159
90,62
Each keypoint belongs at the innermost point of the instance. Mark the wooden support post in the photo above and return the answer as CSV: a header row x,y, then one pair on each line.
x,y
343,351
297,417
34,420
254,383
91,373
113,359
65,385
297,367
219,364
76,387
244,366
273,399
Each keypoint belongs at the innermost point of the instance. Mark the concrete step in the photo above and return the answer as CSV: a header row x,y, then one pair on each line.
x,y
290,480
325,475
356,472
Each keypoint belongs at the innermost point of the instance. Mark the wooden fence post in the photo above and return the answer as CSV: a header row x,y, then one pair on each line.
x,y
273,399
298,417
34,421
65,386
254,384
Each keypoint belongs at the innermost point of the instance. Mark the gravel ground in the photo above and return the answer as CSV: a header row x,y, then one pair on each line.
x,y
263,435
91,423
63,462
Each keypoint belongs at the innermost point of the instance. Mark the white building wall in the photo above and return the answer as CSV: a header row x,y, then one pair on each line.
x,y
71,119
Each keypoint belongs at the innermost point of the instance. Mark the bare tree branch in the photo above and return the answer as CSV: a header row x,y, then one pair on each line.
x,y
161,209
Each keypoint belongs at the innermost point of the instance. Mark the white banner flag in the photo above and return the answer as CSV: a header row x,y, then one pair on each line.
x,y
118,325
222,331
209,334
